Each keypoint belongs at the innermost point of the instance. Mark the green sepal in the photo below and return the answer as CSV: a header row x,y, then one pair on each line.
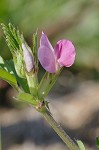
x,y
35,49
47,83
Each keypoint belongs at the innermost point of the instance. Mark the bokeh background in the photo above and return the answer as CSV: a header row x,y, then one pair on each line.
x,y
74,100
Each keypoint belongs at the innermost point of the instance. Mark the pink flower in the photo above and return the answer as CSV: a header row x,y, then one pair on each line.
x,y
51,58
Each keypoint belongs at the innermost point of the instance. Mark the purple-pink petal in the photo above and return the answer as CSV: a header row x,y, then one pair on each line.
x,y
28,58
65,53
52,59
46,55
45,42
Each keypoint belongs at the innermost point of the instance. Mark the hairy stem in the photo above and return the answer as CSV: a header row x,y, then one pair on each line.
x,y
58,129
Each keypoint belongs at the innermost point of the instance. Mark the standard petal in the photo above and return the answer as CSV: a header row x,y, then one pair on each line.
x,y
65,53
47,59
45,42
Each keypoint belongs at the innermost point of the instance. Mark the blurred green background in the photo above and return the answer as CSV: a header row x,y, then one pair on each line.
x,y
77,20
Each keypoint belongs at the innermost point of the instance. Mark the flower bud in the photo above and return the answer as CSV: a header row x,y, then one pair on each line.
x,y
28,58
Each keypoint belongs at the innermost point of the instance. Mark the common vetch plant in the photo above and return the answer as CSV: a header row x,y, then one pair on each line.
x,y
22,72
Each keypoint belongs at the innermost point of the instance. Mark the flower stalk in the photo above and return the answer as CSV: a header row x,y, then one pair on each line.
x,y
47,83
58,129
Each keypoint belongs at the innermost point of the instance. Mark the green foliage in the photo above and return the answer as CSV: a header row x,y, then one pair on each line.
x,y
27,98
14,41
47,83
21,81
14,71
35,48
13,37
97,142
8,77
7,74
80,25
80,145
4,65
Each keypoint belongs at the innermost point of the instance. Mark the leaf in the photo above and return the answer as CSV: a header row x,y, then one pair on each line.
x,y
5,66
8,77
81,145
7,74
8,66
97,142
13,37
21,81
28,98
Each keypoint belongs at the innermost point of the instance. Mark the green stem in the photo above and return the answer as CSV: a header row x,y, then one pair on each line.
x,y
32,83
58,129
47,82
